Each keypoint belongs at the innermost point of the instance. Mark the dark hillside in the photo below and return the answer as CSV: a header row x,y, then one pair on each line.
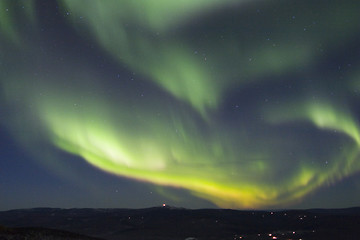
x,y
177,223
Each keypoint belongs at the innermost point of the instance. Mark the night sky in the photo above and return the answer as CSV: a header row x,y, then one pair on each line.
x,y
246,104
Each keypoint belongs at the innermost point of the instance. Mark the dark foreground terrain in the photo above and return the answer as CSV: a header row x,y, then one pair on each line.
x,y
179,224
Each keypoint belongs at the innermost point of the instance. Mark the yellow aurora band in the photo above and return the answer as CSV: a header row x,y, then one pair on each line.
x,y
173,133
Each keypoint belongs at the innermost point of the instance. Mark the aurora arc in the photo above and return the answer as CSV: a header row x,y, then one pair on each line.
x,y
175,137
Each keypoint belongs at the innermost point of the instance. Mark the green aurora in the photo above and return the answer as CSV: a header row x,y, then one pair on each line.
x,y
209,119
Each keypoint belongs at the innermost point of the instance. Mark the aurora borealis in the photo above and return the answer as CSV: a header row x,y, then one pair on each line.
x,y
232,103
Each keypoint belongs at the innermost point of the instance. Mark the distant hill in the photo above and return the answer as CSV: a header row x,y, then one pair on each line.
x,y
39,234
171,223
